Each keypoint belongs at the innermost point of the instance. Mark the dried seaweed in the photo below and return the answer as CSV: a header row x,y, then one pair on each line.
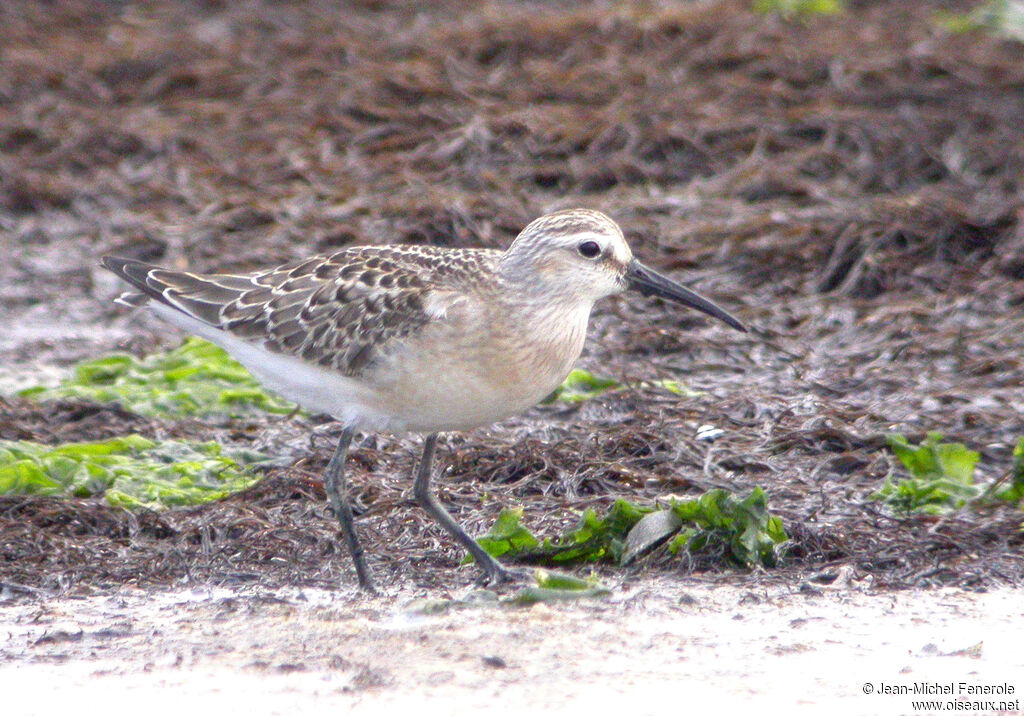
x,y
849,185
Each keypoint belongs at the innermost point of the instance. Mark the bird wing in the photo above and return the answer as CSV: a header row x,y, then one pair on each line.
x,y
338,311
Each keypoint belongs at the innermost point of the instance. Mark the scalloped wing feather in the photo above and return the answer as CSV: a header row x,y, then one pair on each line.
x,y
339,311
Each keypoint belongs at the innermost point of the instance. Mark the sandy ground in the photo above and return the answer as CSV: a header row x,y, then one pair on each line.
x,y
646,649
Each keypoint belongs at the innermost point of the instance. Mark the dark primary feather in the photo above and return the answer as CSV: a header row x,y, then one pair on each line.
x,y
337,311
199,296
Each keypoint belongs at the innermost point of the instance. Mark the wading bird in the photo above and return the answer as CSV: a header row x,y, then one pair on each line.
x,y
413,338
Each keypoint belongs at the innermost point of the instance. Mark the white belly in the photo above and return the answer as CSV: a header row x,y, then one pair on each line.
x,y
447,379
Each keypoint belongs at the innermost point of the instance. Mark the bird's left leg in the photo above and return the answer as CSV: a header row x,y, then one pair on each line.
x,y
495,571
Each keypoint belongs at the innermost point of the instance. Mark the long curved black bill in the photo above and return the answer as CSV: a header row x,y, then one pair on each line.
x,y
651,283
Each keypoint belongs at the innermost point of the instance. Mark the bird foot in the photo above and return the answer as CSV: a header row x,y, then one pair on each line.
x,y
508,575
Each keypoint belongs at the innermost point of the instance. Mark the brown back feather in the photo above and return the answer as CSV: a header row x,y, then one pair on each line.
x,y
337,311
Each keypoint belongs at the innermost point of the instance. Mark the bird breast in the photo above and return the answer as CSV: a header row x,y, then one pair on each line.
x,y
480,364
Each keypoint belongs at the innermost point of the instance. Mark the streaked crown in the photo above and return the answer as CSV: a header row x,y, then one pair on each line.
x,y
576,254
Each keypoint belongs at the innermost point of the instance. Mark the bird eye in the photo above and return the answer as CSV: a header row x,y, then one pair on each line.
x,y
589,249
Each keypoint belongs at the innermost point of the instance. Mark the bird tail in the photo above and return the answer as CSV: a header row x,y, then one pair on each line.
x,y
198,296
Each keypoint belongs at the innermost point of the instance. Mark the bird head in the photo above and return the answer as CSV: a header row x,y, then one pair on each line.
x,y
580,255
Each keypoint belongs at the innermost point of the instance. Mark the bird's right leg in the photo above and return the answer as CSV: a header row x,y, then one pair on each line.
x,y
334,484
